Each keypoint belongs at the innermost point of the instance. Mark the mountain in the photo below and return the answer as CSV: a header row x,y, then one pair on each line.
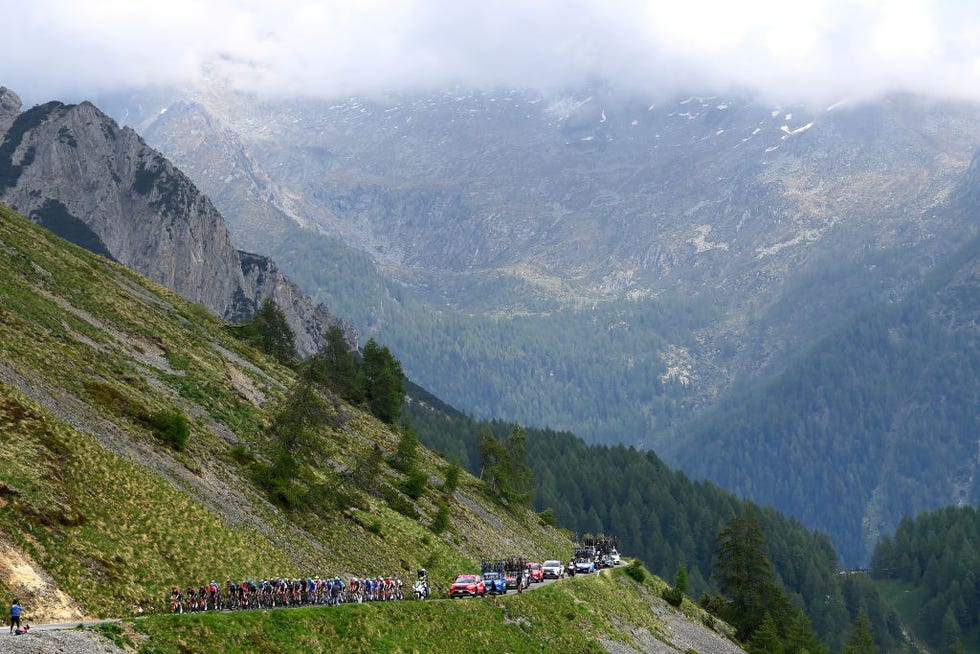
x,y
230,414
888,402
624,269
73,170
692,243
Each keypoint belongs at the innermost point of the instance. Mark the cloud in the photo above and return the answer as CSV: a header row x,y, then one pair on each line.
x,y
823,50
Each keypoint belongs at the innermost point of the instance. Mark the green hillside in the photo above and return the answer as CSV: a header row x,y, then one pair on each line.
x,y
133,430
888,403
133,424
667,520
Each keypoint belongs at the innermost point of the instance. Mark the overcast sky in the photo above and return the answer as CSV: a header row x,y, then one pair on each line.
x,y
822,50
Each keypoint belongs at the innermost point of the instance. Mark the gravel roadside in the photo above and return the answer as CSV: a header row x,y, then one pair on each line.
x,y
56,642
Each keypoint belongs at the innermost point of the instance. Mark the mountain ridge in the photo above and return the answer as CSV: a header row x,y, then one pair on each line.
x,y
140,210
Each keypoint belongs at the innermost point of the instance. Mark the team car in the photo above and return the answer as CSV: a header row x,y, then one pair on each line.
x,y
584,565
516,579
535,573
468,586
553,569
495,582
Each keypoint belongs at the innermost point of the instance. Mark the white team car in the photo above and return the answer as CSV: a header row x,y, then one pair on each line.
x,y
553,569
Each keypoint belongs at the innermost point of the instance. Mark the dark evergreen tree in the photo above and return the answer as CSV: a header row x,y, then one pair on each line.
x,y
451,481
492,460
441,520
800,638
407,450
269,331
680,579
766,638
745,576
860,640
384,381
520,477
504,468
336,367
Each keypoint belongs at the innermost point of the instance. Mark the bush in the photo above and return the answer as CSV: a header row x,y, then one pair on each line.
x,y
635,571
452,478
672,596
169,426
547,517
397,501
241,454
414,486
441,522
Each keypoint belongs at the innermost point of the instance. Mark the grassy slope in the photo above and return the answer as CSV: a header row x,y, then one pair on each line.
x,y
570,616
105,512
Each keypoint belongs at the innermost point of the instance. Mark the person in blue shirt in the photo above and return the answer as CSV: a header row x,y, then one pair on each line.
x,y
15,616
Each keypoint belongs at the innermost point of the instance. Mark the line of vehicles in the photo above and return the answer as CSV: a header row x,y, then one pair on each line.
x,y
498,578
516,573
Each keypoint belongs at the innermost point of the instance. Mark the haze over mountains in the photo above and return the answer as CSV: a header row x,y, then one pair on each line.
x,y
596,261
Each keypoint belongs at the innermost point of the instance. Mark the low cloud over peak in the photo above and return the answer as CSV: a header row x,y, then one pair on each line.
x,y
820,51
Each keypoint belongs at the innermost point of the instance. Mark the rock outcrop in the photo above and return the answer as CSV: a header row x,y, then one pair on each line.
x,y
72,169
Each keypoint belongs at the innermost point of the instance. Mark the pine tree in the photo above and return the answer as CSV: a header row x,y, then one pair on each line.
x,y
520,476
766,639
406,452
335,366
745,576
860,640
272,334
800,637
504,468
680,578
384,381
452,478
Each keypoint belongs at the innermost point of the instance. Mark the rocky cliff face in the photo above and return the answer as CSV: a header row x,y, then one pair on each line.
x,y
74,170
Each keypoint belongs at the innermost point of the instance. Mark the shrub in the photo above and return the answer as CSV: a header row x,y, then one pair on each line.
x,y
169,426
397,501
547,517
441,522
452,478
635,571
672,596
241,454
414,486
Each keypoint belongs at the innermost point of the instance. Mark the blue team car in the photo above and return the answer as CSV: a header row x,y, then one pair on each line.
x,y
495,581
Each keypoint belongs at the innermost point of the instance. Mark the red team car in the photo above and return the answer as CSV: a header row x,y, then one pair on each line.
x,y
468,586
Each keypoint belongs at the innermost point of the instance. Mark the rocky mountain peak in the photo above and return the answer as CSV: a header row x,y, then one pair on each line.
x,y
72,169
10,105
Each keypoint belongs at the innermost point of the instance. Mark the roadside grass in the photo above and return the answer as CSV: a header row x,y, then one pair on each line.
x,y
573,615
569,616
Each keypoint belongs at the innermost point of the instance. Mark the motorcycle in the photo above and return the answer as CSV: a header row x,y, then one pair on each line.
x,y
421,589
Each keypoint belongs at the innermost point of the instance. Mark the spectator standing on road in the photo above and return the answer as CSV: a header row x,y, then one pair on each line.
x,y
15,610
